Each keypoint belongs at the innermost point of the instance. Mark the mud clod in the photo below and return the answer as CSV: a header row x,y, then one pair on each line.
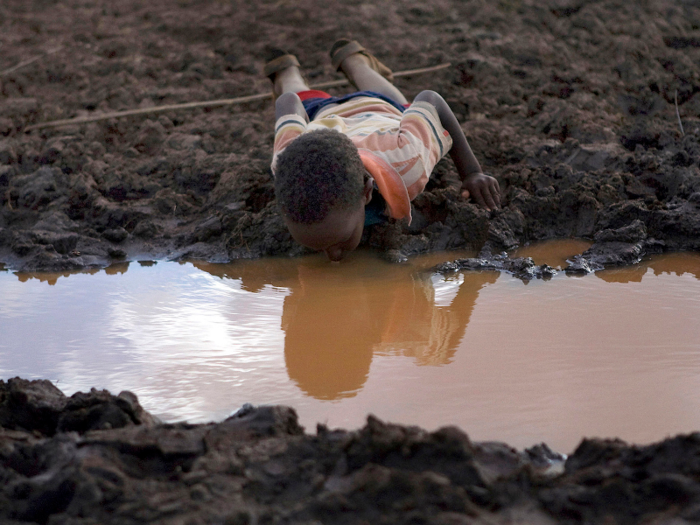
x,y
97,458
38,406
523,268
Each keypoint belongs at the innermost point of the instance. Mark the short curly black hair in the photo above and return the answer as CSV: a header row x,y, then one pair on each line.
x,y
318,172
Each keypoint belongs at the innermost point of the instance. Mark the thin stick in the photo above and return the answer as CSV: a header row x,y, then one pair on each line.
x,y
405,73
678,113
208,104
27,62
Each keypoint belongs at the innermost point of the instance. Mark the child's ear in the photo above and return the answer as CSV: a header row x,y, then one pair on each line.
x,y
367,191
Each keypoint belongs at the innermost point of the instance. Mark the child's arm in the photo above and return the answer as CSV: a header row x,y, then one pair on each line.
x,y
483,188
290,104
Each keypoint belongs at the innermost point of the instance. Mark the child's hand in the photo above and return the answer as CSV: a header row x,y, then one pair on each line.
x,y
483,189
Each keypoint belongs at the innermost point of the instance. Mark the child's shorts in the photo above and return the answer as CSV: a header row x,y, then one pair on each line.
x,y
314,100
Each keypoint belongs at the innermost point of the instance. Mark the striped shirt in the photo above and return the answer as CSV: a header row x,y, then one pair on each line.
x,y
411,142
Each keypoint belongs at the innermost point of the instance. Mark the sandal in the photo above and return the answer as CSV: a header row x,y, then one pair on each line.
x,y
278,60
343,48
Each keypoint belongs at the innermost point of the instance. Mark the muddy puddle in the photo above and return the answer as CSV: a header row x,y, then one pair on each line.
x,y
611,354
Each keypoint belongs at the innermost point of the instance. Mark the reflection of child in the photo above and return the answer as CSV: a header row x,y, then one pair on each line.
x,y
330,153
335,322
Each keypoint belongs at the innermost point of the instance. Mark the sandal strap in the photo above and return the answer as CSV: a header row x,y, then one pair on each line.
x,y
278,64
344,52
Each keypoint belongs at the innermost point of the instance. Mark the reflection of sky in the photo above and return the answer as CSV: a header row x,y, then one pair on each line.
x,y
446,288
151,330
44,327
616,354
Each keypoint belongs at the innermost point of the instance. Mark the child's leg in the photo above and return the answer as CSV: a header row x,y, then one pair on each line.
x,y
356,68
289,80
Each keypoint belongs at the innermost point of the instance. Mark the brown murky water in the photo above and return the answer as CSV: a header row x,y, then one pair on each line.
x,y
611,354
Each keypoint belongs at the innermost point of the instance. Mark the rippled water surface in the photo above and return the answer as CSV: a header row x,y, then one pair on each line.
x,y
611,354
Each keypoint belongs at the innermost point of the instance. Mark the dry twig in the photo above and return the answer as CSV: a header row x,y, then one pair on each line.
x,y
210,103
27,62
678,113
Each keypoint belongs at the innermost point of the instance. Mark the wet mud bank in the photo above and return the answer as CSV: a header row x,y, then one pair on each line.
x,y
586,113
99,458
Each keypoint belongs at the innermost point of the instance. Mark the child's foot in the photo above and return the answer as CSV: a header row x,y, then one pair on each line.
x,y
346,51
363,70
284,71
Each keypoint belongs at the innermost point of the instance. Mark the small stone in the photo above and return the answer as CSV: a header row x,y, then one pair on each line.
x,y
146,229
183,142
63,243
579,265
395,256
115,234
634,232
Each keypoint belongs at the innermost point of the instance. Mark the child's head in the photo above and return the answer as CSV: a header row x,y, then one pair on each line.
x,y
322,188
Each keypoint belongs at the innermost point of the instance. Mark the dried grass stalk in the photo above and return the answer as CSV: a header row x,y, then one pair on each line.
x,y
209,103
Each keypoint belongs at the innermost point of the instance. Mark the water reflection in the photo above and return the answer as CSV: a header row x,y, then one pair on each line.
x,y
557,253
336,317
550,361
117,268
554,253
51,278
679,264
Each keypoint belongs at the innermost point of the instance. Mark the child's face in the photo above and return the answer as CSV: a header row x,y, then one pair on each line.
x,y
337,235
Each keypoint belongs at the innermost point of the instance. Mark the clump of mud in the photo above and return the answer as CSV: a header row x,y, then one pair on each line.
x,y
98,458
573,106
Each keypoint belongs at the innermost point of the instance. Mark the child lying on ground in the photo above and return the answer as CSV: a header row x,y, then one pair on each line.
x,y
331,153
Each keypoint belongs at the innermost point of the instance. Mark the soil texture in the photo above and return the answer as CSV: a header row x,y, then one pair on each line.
x,y
96,458
585,111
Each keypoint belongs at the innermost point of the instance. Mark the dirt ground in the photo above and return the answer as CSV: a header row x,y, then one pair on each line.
x,y
570,104
95,458
585,111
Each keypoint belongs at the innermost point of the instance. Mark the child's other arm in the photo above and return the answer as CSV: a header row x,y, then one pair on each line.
x,y
483,188
290,104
